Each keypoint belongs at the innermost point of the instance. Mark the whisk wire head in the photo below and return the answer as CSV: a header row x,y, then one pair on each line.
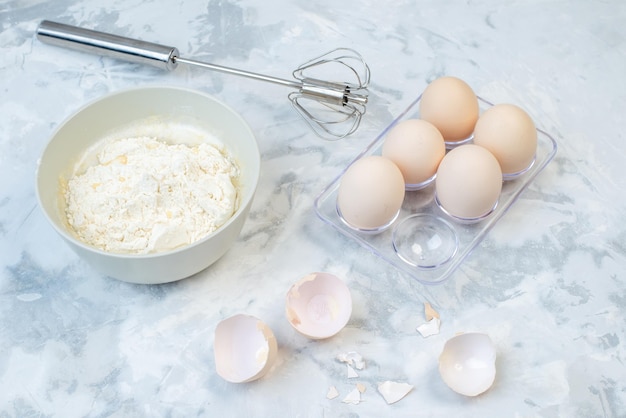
x,y
327,120
333,109
349,59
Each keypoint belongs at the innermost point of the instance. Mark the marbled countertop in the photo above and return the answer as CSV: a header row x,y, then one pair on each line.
x,y
548,284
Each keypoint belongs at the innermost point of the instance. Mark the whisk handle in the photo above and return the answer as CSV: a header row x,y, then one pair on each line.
x,y
114,46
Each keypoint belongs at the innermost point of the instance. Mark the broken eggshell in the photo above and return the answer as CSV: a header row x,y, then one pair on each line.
x,y
245,348
332,393
354,397
433,322
319,305
352,358
467,363
392,392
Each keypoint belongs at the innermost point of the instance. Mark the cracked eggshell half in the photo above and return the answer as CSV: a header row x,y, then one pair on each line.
x,y
467,363
319,305
245,348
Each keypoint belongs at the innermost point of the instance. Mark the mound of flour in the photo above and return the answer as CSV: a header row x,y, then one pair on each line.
x,y
145,195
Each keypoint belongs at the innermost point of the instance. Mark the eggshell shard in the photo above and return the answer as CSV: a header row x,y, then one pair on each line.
x,y
351,372
468,183
467,363
430,312
353,397
509,133
245,348
451,105
430,328
319,305
370,194
416,147
332,393
352,358
392,392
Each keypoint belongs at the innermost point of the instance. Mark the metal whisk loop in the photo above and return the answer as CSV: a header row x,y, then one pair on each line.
x,y
333,109
329,121
348,58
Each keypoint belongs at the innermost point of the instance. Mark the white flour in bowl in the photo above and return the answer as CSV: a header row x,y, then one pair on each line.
x,y
144,195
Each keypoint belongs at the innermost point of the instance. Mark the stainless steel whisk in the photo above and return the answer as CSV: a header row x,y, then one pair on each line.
x,y
332,108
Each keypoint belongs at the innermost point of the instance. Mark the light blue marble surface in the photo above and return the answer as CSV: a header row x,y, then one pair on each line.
x,y
548,284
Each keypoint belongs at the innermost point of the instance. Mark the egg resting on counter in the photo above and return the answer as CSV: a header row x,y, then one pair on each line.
x,y
509,133
371,193
451,105
468,182
416,147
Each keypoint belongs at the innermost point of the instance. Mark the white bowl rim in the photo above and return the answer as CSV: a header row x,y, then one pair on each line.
x,y
75,241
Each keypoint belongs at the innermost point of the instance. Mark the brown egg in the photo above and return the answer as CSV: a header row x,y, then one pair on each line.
x,y
451,105
370,194
469,182
417,148
509,133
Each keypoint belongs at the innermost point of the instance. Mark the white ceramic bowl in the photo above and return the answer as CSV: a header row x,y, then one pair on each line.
x,y
148,111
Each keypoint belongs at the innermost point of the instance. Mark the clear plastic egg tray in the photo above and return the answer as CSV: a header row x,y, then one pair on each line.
x,y
423,241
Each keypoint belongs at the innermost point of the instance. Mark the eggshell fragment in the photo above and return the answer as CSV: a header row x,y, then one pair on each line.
x,y
416,147
352,358
451,105
430,312
467,363
353,398
392,392
332,393
319,305
431,327
245,348
370,194
509,133
468,183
